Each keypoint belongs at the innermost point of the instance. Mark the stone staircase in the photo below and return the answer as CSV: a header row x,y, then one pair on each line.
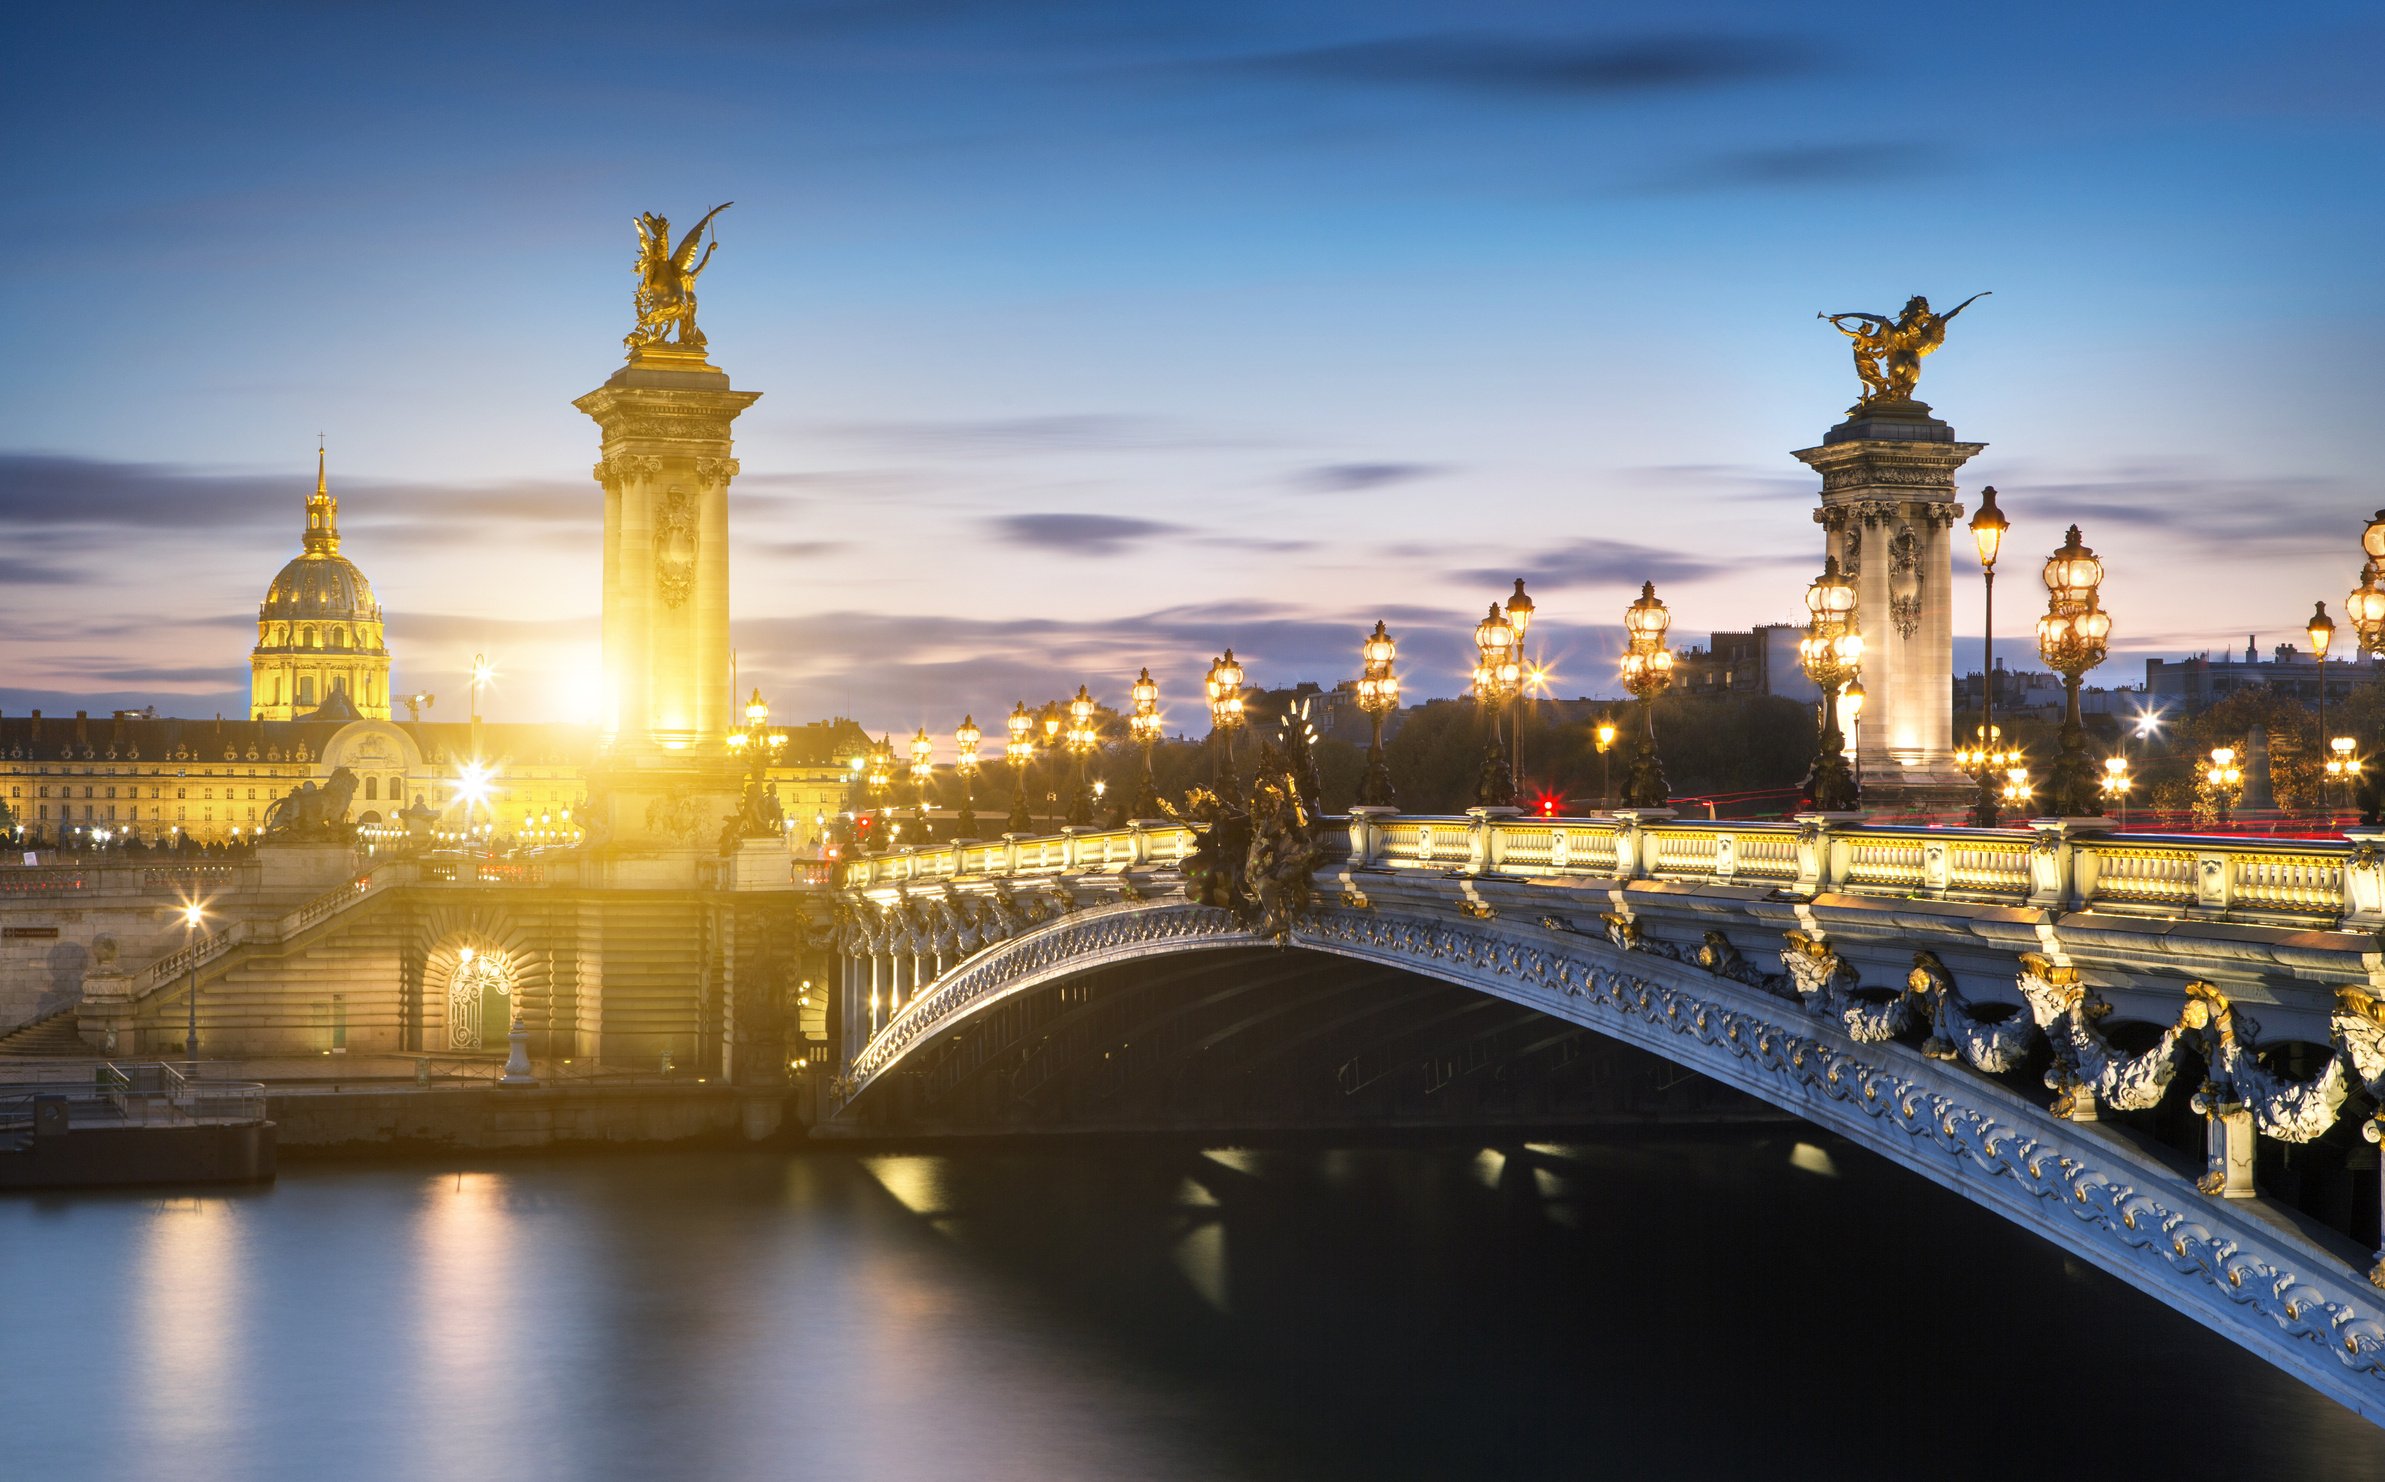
x,y
52,1036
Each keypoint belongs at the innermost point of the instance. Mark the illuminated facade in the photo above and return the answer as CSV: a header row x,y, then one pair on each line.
x,y
319,645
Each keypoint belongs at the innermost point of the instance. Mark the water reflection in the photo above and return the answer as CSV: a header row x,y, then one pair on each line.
x,y
1649,1304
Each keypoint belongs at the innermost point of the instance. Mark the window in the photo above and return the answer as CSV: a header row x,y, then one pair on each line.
x,y
306,689
372,789
182,792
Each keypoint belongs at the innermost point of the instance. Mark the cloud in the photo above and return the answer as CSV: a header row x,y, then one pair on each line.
x,y
1810,165
797,550
1081,535
48,492
15,571
1344,478
1584,563
1541,67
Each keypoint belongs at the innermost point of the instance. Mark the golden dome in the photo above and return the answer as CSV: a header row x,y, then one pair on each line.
x,y
318,587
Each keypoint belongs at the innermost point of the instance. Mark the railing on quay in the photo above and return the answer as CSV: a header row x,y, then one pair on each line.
x,y
2067,865
330,903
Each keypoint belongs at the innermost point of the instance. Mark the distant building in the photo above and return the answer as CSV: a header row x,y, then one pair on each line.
x,y
2199,681
1760,661
2029,692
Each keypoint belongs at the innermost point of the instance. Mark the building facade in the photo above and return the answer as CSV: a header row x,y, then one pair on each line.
x,y
319,638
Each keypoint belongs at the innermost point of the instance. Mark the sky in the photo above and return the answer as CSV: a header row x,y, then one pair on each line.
x,y
1096,335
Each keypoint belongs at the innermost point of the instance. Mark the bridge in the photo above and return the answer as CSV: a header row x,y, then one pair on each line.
x,y
2140,1047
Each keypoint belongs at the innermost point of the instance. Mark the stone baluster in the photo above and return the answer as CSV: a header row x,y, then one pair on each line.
x,y
1482,837
1366,834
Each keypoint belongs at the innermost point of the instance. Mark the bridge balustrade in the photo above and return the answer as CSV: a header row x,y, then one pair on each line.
x,y
2329,883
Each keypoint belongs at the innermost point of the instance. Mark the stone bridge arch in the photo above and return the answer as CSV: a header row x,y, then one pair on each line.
x,y
2090,1192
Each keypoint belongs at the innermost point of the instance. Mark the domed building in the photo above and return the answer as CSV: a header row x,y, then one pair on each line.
x,y
319,654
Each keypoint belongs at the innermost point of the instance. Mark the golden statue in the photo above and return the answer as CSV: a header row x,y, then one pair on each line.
x,y
667,281
1888,351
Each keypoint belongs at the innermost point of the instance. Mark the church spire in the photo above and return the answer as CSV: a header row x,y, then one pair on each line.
x,y
322,511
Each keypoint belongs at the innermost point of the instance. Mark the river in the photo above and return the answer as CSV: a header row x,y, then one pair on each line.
x,y
1743,1303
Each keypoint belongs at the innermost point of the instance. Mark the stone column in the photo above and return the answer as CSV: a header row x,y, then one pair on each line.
x,y
665,470
1889,507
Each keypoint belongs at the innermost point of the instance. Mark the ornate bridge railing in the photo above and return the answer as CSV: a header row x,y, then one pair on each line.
x,y
2067,867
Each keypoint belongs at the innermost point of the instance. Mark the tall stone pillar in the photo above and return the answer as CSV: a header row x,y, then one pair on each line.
x,y
665,468
1889,507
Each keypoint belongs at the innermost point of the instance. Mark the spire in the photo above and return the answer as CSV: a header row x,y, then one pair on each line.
x,y
322,511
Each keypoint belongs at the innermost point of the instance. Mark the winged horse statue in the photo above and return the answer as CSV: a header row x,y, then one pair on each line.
x,y
667,281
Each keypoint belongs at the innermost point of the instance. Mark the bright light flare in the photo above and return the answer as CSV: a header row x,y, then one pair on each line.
x,y
474,781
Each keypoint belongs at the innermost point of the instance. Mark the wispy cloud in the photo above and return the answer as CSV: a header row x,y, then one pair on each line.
x,y
1345,478
1079,535
1802,166
1541,67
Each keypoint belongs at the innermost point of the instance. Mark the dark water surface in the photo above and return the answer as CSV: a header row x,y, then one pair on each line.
x,y
1745,1304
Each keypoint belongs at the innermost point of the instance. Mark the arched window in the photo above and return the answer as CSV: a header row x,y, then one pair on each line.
x,y
372,789
339,638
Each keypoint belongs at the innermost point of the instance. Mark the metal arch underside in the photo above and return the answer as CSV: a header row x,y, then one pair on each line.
x,y
2219,1262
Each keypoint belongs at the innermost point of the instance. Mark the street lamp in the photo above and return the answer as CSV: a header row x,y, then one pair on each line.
x,y
923,772
1990,758
1378,696
2018,789
194,915
2366,608
965,764
2116,782
880,781
1832,653
1225,713
1143,728
1083,734
1497,675
758,744
1987,532
2071,639
1021,754
2342,765
1519,618
2321,631
1604,734
2224,778
1647,672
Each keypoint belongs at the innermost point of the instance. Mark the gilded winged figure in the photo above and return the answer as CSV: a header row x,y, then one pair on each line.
x,y
1888,351
667,281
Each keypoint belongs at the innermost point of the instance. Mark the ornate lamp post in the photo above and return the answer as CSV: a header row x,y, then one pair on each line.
x,y
2366,608
1519,618
1083,735
1647,672
1021,754
1831,652
758,745
2321,632
2071,639
2224,778
880,781
2115,783
1987,533
2018,789
1143,729
923,773
1990,759
2342,765
1497,675
194,916
1604,735
1225,714
1378,696
964,765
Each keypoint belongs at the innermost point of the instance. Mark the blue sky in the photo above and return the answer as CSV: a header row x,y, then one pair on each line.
x,y
1095,335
